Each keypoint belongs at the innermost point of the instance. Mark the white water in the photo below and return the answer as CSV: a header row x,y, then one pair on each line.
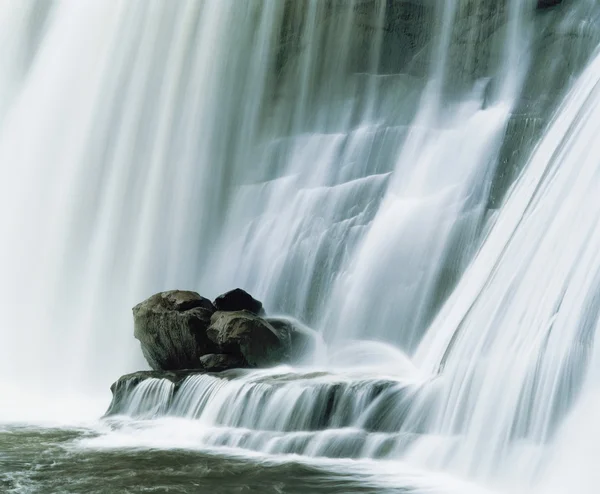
x,y
167,170
154,145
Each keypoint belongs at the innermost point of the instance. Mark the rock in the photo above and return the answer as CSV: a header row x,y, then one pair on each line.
x,y
246,335
303,340
238,299
179,300
543,4
171,327
217,362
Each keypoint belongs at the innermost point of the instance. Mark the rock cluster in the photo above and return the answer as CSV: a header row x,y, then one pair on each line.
x,y
182,330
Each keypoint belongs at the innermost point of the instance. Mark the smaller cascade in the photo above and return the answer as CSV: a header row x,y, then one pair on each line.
x,y
148,399
352,408
319,414
145,394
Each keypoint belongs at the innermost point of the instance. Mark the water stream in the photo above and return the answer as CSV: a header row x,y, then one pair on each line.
x,y
416,180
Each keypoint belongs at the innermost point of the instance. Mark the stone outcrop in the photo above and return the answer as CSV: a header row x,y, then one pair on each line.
x,y
217,362
244,334
238,299
543,4
181,330
171,327
303,340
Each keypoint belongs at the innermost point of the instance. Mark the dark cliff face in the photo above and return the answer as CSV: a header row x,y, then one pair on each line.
x,y
391,36
563,40
402,38
543,4
399,39
383,53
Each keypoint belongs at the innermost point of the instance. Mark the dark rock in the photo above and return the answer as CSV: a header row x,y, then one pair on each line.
x,y
217,362
179,300
171,327
238,299
543,4
246,335
303,340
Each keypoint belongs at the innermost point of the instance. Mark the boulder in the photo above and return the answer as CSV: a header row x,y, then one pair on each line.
x,y
171,327
248,336
303,340
179,300
238,299
543,4
217,362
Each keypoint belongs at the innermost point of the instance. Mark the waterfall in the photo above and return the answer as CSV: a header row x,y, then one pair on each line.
x,y
436,198
499,369
168,169
415,180
515,339
99,226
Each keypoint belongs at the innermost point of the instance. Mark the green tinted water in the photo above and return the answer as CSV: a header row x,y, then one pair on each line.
x,y
52,460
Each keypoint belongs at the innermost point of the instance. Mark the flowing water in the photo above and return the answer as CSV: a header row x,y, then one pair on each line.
x,y
417,180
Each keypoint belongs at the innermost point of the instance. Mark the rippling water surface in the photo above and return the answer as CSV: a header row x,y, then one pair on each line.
x,y
136,456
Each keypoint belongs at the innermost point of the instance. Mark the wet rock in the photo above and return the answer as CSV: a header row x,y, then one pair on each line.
x,y
238,299
171,327
250,337
217,362
179,300
543,4
303,340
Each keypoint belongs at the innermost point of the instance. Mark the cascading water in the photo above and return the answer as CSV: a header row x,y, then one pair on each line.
x,y
341,160
527,306
299,169
436,197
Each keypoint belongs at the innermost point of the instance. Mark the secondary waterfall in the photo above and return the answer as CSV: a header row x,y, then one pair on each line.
x,y
422,175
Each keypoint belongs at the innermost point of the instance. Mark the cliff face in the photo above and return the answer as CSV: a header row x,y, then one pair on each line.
x,y
337,47
399,36
562,40
347,81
